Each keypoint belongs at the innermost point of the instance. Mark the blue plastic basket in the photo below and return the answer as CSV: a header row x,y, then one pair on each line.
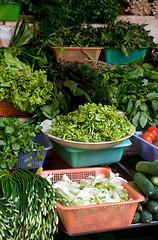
x,y
112,55
77,158
43,140
145,149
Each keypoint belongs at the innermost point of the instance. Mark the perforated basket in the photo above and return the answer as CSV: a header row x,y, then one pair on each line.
x,y
76,53
99,216
145,149
7,109
116,56
77,158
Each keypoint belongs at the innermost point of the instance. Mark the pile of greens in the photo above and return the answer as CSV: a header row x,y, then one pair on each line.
x,y
16,137
28,206
134,90
91,123
76,36
127,36
25,89
55,14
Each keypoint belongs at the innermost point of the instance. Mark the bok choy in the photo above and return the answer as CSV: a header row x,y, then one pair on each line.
x,y
92,190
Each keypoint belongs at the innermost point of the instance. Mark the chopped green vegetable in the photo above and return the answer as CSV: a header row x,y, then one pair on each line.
x,y
92,123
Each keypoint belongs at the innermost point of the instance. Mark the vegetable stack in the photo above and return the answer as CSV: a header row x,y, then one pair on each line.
x,y
27,207
92,123
146,183
16,137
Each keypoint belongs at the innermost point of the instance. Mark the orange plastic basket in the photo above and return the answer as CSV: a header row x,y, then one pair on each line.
x,y
99,216
77,54
7,109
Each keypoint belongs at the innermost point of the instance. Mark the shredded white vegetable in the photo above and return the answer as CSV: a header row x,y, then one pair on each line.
x,y
92,190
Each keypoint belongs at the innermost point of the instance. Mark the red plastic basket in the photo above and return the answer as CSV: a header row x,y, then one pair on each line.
x,y
99,216
7,109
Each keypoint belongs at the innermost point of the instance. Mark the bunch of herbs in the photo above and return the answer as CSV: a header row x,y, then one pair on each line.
x,y
16,137
134,90
127,36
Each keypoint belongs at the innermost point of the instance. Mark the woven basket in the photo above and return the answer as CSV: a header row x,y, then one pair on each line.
x,y
77,54
7,109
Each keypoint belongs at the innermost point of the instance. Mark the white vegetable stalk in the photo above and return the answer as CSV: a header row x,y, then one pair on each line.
x,y
92,190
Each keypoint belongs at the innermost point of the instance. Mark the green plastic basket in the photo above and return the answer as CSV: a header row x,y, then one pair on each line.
x,y
113,55
77,158
9,11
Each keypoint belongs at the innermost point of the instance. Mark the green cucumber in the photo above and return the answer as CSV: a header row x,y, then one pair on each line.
x,y
154,180
144,184
155,161
155,195
147,168
155,216
139,207
146,199
146,216
135,186
136,217
152,206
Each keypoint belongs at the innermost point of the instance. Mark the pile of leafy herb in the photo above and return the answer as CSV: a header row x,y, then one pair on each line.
x,y
25,89
127,36
55,14
32,214
76,36
134,90
16,137
91,123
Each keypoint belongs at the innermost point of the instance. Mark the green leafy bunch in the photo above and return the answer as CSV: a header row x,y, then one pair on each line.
x,y
91,123
134,90
74,83
54,14
93,11
76,36
16,137
28,207
127,36
25,89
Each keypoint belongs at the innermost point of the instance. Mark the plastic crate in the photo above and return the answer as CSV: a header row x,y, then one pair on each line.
x,y
113,55
84,158
7,109
43,140
98,216
9,11
77,53
145,149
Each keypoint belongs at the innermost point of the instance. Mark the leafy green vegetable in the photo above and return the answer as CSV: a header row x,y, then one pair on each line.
x,y
127,36
25,89
91,123
29,205
16,137
133,89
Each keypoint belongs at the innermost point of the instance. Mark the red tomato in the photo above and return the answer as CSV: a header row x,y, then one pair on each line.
x,y
148,136
154,130
156,143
